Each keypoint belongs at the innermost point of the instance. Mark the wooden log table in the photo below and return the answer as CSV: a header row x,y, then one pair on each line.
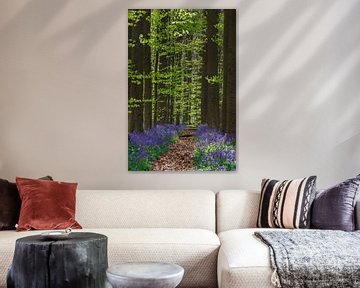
x,y
78,261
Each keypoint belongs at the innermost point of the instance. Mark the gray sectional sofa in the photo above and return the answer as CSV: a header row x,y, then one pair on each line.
x,y
210,235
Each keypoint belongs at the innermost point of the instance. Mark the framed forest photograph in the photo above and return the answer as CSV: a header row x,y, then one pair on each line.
x,y
181,89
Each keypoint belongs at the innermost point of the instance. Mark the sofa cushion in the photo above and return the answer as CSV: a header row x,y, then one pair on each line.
x,y
334,208
194,249
286,204
244,261
153,209
46,204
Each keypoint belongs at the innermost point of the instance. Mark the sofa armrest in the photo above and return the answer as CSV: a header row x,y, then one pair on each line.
x,y
357,215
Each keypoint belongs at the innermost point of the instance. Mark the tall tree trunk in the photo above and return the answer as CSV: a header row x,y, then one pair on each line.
x,y
130,84
177,96
167,104
224,104
161,87
156,96
161,100
138,91
211,89
147,73
163,69
169,85
173,84
221,67
180,104
204,83
229,102
204,93
188,80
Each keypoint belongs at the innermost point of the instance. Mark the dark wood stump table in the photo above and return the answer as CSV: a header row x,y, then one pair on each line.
x,y
79,261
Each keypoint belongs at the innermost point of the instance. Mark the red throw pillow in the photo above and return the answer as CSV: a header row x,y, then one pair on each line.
x,y
10,204
46,204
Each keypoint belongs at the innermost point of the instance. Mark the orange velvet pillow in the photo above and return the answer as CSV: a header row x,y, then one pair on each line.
x,y
46,204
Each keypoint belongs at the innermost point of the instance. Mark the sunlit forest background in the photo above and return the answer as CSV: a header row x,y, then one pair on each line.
x,y
182,72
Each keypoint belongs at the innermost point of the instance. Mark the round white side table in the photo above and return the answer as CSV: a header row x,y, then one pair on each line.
x,y
145,275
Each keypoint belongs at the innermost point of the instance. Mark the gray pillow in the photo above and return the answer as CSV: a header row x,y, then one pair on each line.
x,y
334,208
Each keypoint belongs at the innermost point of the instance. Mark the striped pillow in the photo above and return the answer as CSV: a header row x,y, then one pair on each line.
x,y
286,204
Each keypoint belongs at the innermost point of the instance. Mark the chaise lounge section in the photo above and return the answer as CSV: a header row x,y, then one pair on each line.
x,y
244,260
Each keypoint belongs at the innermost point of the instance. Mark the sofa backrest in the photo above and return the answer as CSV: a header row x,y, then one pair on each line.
x,y
239,209
236,209
146,209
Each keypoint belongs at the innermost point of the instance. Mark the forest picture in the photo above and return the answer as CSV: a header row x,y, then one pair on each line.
x,y
181,89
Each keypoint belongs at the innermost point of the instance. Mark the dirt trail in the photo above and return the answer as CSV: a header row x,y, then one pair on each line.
x,y
180,156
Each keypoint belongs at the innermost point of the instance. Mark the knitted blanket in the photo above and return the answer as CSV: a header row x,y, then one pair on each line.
x,y
313,258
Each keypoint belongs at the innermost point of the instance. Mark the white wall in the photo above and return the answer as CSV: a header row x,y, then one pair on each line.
x,y
63,89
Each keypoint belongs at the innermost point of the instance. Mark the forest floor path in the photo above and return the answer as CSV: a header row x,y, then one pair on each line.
x,y
180,156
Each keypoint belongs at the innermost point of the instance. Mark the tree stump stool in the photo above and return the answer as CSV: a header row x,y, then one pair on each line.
x,y
78,261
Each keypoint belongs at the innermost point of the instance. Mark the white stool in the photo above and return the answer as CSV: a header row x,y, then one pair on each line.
x,y
145,275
